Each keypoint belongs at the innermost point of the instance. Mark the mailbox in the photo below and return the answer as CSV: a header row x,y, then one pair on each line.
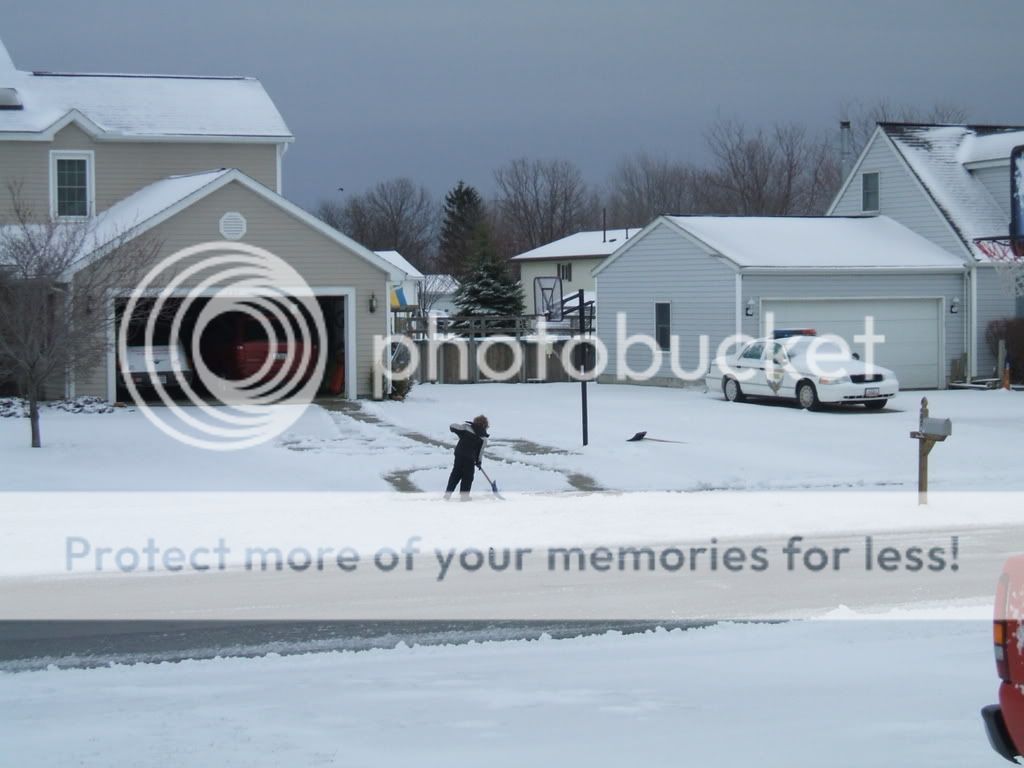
x,y
936,427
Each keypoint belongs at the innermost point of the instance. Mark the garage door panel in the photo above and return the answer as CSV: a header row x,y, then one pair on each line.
x,y
911,328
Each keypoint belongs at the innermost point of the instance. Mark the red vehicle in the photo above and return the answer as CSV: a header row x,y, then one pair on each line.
x,y
238,346
1004,722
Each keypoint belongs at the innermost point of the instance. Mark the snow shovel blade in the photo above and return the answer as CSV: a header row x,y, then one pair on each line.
x,y
494,485
637,437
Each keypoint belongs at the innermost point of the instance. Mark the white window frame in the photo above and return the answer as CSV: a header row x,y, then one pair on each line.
x,y
878,191
90,179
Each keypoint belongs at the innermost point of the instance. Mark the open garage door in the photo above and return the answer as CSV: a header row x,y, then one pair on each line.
x,y
912,330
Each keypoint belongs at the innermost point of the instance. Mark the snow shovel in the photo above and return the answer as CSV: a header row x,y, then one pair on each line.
x,y
494,485
643,436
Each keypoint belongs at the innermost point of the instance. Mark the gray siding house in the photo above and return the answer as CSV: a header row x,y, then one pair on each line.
x,y
723,277
182,160
950,184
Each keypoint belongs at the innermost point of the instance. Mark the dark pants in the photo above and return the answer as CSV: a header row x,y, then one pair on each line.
x,y
462,475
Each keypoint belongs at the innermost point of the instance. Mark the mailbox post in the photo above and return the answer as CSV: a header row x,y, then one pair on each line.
x,y
929,432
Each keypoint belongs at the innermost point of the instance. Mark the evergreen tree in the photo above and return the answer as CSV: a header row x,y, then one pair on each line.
x,y
464,216
488,289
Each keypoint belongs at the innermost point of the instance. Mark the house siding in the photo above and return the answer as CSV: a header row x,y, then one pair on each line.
x,y
997,181
122,168
866,286
665,266
582,276
321,262
900,197
995,302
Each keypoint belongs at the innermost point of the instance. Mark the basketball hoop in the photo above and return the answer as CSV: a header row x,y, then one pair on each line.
x,y
1007,256
547,297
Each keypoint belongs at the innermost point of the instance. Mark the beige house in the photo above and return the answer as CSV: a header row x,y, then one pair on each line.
x,y
573,259
184,161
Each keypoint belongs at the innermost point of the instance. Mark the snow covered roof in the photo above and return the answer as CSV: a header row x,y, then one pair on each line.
x,y
829,242
147,203
582,245
399,261
936,154
163,199
135,106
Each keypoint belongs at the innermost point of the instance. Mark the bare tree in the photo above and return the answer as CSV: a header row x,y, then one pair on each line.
x,y
643,187
541,200
778,172
393,215
434,288
53,318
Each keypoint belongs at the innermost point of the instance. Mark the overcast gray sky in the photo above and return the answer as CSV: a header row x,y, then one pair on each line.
x,y
439,90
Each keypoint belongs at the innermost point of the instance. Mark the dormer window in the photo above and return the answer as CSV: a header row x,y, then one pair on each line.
x,y
72,184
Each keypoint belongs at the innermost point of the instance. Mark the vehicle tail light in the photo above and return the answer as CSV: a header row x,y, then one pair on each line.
x,y
1001,629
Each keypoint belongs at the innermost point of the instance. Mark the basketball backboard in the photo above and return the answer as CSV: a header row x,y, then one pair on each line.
x,y
547,297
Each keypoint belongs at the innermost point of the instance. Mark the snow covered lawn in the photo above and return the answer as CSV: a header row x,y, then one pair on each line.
x,y
838,693
536,445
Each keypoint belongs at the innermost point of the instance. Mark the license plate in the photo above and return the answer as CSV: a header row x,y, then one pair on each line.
x,y
872,392
281,356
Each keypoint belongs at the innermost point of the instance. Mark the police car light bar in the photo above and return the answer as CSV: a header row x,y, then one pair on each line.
x,y
786,333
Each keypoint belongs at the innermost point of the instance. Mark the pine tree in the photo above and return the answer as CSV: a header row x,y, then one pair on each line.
x,y
464,216
488,289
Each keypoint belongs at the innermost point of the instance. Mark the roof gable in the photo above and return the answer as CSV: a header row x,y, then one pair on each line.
x,y
158,202
936,155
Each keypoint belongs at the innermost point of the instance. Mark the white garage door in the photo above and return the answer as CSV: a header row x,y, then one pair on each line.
x,y
912,330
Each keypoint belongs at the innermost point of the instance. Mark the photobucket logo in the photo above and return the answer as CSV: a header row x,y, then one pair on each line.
x,y
236,331
637,357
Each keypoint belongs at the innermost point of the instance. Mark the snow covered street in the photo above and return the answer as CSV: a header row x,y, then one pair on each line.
x,y
849,693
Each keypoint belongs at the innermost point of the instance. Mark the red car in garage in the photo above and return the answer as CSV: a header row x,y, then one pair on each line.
x,y
1004,722
238,345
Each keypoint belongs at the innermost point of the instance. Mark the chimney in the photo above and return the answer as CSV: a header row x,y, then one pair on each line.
x,y
845,148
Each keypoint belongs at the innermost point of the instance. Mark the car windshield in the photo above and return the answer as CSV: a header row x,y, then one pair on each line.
x,y
798,346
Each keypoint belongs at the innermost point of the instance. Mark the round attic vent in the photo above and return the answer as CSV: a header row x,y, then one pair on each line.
x,y
233,225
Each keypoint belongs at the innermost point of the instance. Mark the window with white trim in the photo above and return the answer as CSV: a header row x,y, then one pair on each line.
x,y
72,185
869,192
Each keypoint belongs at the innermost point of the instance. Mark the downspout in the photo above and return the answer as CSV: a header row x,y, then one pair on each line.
x,y
972,321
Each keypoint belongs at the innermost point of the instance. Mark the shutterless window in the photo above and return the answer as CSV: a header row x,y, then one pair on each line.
x,y
662,322
565,271
72,186
869,192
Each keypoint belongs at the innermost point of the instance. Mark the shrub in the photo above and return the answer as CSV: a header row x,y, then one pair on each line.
x,y
1010,330
400,388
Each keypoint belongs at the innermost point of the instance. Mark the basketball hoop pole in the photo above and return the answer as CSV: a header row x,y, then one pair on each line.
x,y
583,371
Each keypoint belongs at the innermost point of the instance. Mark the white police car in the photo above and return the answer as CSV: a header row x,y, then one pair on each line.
x,y
801,366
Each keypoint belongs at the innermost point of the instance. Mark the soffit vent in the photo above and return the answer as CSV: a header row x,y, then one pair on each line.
x,y
233,225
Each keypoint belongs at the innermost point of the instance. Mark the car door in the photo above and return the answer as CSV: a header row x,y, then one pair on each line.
x,y
778,375
750,366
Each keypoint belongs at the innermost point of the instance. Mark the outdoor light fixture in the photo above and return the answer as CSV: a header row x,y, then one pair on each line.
x,y
750,308
373,302
954,306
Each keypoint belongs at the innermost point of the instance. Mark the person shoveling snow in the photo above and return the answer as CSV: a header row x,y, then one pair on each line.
x,y
469,452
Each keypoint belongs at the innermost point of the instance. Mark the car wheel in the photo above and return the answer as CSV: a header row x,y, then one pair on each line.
x,y
875,405
731,390
807,396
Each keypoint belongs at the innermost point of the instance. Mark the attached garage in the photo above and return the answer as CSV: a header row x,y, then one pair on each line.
x,y
912,330
716,278
183,213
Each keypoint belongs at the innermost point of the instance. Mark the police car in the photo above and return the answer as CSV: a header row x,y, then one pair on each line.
x,y
802,366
